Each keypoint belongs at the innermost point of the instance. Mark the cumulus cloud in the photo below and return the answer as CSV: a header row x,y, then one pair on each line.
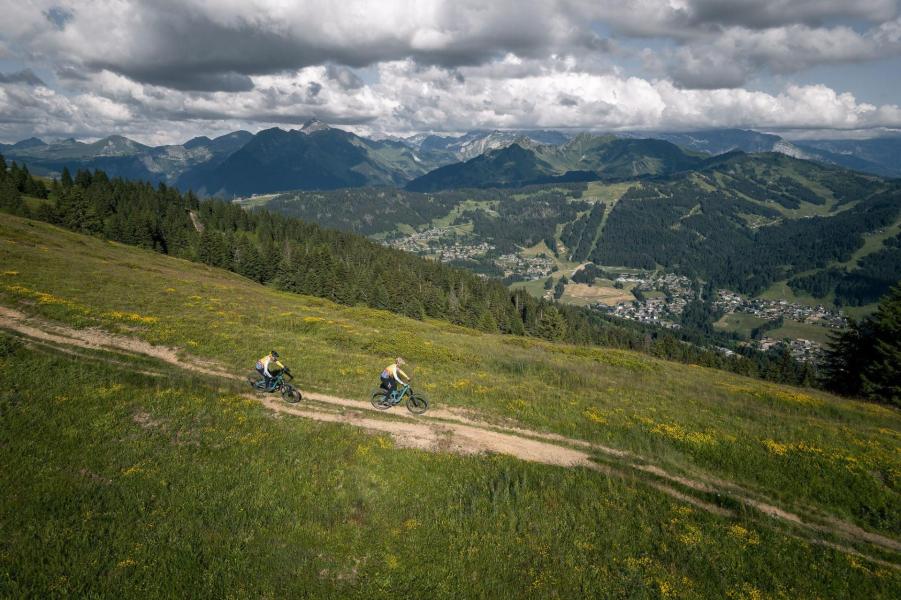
x,y
736,54
685,19
168,70
204,45
613,102
25,76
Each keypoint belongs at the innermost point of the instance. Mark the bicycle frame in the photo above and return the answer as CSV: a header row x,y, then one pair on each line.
x,y
274,383
398,394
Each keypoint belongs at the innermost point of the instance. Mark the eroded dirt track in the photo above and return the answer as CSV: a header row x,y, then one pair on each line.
x,y
462,432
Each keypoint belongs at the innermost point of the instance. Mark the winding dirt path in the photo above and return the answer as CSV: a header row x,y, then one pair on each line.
x,y
459,431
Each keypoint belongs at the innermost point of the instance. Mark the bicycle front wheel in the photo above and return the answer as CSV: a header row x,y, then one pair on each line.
x,y
291,394
417,404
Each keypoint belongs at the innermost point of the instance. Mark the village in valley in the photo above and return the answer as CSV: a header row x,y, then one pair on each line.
x,y
660,299
654,298
446,244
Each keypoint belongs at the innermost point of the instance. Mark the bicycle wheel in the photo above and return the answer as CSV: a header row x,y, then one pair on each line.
x,y
291,394
417,404
252,379
379,399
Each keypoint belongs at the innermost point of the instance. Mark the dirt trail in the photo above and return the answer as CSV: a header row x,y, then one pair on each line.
x,y
466,439
457,431
96,339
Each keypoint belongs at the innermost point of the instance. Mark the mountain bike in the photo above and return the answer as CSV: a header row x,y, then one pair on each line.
x,y
417,403
276,384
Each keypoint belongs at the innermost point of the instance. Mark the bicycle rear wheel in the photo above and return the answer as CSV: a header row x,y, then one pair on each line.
x,y
379,399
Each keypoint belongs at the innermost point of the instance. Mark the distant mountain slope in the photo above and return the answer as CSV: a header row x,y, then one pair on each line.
x,y
719,141
583,158
316,157
122,157
879,156
511,166
749,221
447,149
345,159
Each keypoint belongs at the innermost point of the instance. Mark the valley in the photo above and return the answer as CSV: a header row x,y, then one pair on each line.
x,y
748,225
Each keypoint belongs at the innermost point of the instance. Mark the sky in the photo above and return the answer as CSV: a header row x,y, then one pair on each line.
x,y
164,71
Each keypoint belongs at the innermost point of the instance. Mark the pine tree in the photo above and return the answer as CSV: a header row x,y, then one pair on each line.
x,y
10,199
487,321
848,354
66,178
881,378
560,288
551,325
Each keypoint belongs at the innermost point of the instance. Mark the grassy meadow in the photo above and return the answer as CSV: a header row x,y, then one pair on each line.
x,y
195,490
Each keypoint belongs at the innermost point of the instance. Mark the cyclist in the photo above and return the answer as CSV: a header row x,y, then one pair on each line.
x,y
263,367
392,374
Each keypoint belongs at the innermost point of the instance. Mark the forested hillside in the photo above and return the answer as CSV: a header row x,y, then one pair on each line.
x,y
742,221
752,220
302,257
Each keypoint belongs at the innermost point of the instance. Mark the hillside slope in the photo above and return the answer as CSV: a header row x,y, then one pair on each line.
x,y
659,453
535,383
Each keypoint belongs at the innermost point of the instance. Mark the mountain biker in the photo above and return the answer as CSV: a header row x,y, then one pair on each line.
x,y
263,367
392,374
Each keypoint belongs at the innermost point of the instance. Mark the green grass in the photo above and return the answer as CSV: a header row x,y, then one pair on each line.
x,y
459,209
34,203
534,287
807,331
740,323
809,451
258,201
780,290
128,486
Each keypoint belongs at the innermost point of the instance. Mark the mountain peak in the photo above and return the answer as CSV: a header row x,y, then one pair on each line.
x,y
313,125
31,142
201,140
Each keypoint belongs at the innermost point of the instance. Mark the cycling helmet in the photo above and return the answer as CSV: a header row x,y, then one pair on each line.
x,y
274,354
400,361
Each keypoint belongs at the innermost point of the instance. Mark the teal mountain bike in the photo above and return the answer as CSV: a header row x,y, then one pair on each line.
x,y
276,384
417,403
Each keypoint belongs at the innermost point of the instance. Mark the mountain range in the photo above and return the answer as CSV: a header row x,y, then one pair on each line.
x,y
585,157
317,156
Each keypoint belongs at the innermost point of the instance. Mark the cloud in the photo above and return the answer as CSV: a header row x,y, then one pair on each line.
x,y
690,19
761,14
737,54
25,76
58,16
613,102
204,45
345,77
168,69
